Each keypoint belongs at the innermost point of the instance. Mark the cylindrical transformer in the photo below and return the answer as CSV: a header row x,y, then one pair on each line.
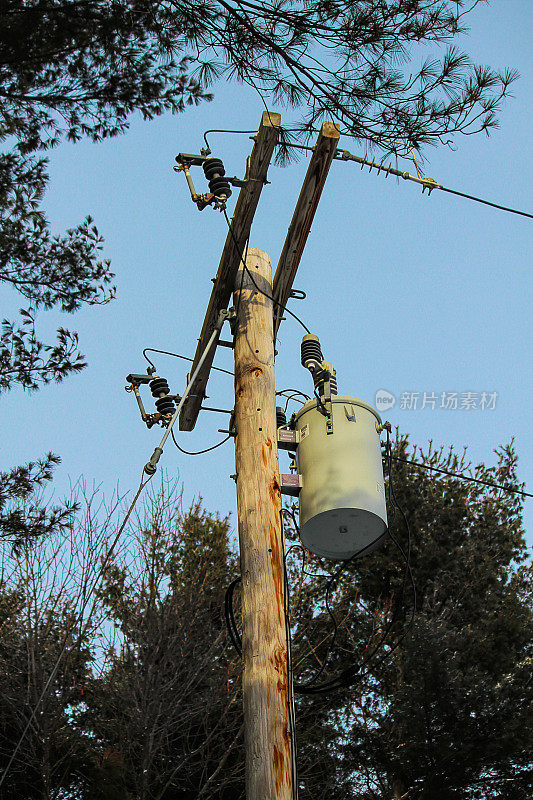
x,y
342,499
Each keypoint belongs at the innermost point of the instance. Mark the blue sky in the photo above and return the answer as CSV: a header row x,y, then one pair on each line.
x,y
408,294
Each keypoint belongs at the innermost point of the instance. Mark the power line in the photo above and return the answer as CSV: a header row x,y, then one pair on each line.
x,y
463,477
221,130
177,355
426,183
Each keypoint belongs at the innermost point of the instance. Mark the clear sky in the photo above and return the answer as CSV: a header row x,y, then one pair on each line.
x,y
408,294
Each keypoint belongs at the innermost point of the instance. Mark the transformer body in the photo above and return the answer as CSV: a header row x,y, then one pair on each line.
x,y
342,499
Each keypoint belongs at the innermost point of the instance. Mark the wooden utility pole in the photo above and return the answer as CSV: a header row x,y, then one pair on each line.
x,y
269,774
265,677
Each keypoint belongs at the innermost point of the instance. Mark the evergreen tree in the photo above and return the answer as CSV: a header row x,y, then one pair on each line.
x,y
439,706
166,714
73,68
23,516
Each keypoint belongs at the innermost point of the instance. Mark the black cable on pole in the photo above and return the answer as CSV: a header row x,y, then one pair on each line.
x,y
426,183
221,130
230,618
350,672
463,477
290,674
177,355
199,452
283,393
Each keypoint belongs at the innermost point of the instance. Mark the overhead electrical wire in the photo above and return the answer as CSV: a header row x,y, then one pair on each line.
x,y
283,393
426,183
222,130
463,477
177,355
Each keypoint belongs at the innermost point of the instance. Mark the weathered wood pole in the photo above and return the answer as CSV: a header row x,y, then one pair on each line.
x,y
265,679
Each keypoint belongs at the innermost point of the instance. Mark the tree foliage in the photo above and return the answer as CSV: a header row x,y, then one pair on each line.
x,y
439,706
81,68
166,713
148,706
23,515
46,648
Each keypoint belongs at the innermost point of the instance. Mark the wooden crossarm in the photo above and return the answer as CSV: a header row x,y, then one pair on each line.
x,y
265,141
303,216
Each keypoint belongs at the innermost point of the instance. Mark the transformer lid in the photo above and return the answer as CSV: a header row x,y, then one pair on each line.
x,y
339,398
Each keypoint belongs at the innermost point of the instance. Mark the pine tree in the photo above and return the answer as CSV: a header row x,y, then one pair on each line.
x,y
81,68
439,704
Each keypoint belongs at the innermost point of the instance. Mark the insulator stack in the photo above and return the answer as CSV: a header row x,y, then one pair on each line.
x,y
281,418
311,352
214,172
160,389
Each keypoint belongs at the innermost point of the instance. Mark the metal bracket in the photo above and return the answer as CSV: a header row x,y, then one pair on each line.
x,y
287,439
297,294
290,484
232,429
232,319
328,405
190,159
138,380
225,314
